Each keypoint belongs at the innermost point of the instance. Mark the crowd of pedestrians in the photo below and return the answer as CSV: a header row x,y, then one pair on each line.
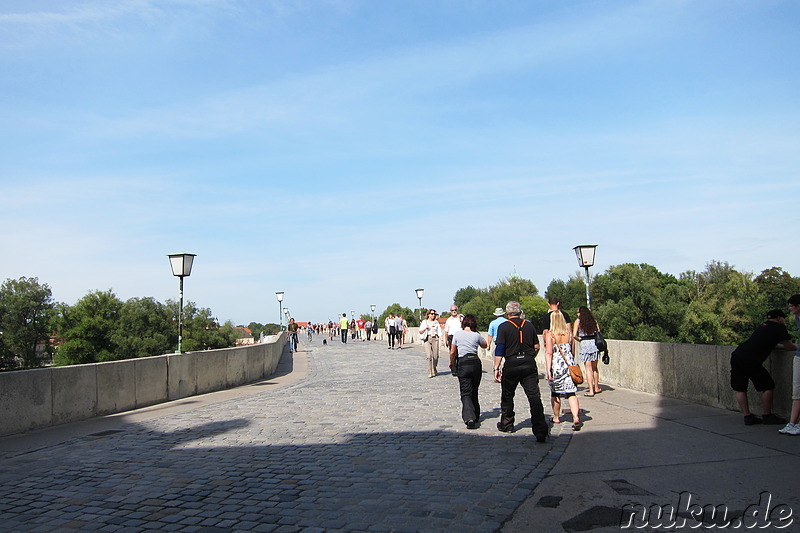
x,y
513,343
396,328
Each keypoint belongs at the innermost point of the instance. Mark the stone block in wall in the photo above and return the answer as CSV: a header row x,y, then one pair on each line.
x,y
212,372
611,374
646,366
74,393
273,357
254,369
236,367
779,365
151,380
182,375
26,400
727,398
697,374
116,386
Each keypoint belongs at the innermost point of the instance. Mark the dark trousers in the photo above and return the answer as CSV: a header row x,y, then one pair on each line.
x,y
369,333
391,335
469,379
344,335
527,375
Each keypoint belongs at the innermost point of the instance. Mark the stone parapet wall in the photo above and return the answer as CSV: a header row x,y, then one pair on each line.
x,y
31,399
696,373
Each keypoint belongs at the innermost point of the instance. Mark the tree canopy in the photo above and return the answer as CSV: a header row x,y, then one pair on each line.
x,y
26,314
482,302
718,305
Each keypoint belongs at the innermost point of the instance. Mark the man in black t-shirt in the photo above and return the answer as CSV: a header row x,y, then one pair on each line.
x,y
747,365
515,346
554,304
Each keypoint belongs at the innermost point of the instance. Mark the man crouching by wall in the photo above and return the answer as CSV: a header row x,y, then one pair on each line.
x,y
747,364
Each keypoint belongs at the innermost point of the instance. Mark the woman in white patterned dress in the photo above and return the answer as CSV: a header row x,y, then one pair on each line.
x,y
558,355
583,330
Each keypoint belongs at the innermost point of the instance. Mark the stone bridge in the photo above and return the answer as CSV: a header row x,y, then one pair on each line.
x,y
354,437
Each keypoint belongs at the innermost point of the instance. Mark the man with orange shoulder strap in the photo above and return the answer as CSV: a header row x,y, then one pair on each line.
x,y
517,343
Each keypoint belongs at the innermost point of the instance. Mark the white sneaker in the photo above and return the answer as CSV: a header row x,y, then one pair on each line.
x,y
790,429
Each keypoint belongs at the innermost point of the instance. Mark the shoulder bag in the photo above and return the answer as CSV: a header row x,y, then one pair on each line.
x,y
574,370
600,342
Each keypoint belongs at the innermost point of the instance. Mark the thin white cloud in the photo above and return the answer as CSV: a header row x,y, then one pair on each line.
x,y
345,96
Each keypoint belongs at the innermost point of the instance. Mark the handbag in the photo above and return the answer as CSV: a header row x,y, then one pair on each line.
x,y
574,370
600,342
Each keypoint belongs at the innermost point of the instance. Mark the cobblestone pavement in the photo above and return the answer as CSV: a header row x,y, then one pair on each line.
x,y
367,442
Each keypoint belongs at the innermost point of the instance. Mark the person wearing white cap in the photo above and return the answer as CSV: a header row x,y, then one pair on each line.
x,y
493,325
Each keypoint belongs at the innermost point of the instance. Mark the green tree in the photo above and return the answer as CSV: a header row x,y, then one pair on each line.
x,y
144,329
200,329
725,305
534,307
88,328
464,295
482,302
271,329
396,308
572,293
26,314
256,329
511,288
775,287
637,302
482,306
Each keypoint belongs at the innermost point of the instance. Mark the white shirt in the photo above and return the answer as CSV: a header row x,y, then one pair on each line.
x,y
452,325
430,328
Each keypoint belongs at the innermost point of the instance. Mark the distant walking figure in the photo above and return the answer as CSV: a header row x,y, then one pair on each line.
x,y
343,325
391,330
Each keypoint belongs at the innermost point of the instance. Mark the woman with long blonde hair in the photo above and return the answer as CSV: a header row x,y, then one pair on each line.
x,y
558,357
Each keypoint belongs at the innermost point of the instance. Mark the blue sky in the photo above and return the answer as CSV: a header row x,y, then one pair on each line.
x,y
349,152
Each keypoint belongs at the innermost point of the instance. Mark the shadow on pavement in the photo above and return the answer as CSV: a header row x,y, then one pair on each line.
x,y
139,477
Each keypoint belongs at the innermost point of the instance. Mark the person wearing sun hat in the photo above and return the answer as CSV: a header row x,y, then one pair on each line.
x,y
493,325
747,364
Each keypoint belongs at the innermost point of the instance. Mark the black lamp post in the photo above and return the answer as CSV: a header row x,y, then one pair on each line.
x,y
182,267
585,254
420,292
279,295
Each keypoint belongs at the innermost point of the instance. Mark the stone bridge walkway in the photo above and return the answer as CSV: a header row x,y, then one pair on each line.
x,y
364,442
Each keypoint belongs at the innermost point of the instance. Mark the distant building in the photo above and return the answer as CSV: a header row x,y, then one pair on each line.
x,y
246,336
